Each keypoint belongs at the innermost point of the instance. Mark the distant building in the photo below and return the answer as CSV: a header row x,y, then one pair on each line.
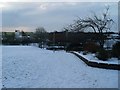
x,y
18,34
111,40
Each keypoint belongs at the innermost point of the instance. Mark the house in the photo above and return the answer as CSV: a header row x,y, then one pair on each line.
x,y
18,34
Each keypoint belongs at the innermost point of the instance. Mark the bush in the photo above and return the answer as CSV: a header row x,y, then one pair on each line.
x,y
116,50
103,55
74,47
91,47
85,53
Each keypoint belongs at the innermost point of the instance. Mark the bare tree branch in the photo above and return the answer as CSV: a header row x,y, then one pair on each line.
x,y
97,23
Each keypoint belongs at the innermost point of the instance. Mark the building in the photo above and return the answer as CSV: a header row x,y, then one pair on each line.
x,y
18,34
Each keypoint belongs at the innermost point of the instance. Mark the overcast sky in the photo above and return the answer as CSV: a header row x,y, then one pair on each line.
x,y
52,16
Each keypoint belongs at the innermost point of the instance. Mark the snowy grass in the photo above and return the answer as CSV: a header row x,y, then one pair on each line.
x,y
0,66
32,67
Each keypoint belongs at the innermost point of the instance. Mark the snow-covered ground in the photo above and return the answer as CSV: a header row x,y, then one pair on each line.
x,y
0,66
32,67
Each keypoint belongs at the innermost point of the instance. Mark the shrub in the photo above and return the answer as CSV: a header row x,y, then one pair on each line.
x,y
85,53
103,55
116,50
74,47
91,47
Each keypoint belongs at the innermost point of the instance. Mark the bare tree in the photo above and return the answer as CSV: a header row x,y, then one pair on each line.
x,y
99,24
40,34
40,30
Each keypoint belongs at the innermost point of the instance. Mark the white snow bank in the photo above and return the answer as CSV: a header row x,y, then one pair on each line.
x,y
32,67
93,58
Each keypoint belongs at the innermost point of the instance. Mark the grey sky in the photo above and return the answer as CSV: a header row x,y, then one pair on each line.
x,y
51,16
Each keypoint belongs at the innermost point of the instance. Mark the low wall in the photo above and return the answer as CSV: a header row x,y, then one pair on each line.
x,y
98,65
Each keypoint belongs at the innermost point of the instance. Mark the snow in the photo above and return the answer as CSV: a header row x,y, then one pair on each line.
x,y
93,58
0,67
109,43
32,67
